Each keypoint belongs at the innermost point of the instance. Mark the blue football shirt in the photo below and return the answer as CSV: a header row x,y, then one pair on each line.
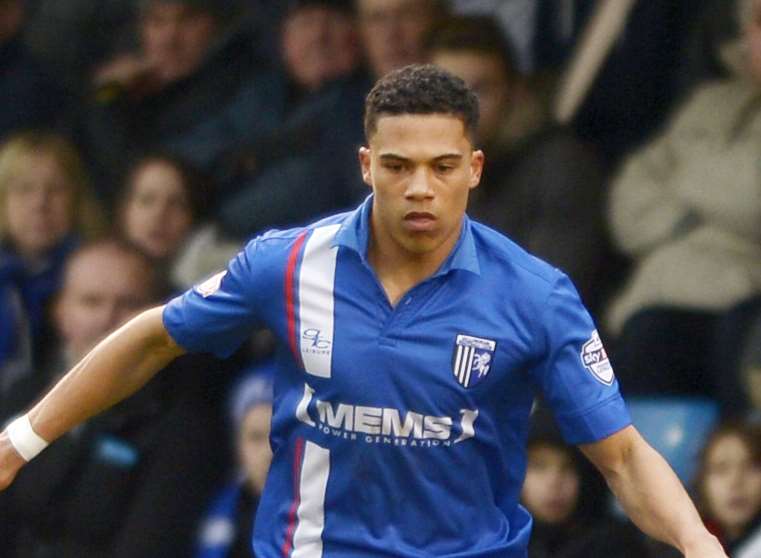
x,y
400,431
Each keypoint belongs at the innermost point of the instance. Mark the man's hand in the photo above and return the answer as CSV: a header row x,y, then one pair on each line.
x,y
10,461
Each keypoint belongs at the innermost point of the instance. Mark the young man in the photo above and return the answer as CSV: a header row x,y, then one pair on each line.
x,y
412,341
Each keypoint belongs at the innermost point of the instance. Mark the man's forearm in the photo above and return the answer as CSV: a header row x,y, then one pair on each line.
x,y
653,497
117,367
651,493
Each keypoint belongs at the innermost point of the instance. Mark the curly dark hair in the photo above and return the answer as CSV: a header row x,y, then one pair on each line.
x,y
421,89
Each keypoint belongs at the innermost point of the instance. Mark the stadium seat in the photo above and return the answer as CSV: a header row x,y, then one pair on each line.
x,y
675,426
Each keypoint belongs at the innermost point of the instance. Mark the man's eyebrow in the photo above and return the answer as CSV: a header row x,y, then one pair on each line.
x,y
457,156
395,157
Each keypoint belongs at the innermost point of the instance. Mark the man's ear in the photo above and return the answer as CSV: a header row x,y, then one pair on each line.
x,y
476,167
364,164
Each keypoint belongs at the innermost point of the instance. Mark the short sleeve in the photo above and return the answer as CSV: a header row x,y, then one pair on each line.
x,y
575,375
218,315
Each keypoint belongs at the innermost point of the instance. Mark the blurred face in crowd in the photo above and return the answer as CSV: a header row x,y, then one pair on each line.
x,y
485,74
176,38
157,215
752,37
319,44
11,18
731,484
254,450
38,204
551,489
421,169
393,31
103,288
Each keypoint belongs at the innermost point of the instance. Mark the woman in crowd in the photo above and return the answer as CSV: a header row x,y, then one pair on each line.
x,y
567,500
162,199
729,487
46,209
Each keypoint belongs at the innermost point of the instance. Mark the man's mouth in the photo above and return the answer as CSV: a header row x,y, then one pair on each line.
x,y
419,221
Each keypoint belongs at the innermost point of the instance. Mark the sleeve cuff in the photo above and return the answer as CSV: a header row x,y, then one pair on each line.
x,y
597,423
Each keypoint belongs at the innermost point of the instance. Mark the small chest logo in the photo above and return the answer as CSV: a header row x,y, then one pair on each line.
x,y
316,340
595,359
472,359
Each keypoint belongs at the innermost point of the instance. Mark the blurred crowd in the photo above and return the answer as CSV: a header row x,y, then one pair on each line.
x,y
143,141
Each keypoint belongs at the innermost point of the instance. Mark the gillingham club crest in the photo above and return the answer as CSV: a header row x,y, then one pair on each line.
x,y
472,359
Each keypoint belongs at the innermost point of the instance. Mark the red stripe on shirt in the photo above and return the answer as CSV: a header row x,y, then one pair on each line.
x,y
290,307
298,454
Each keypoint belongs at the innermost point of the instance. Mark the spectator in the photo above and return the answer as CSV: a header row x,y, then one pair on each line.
x,y
566,499
29,97
394,31
729,487
162,200
518,20
541,186
686,209
45,210
227,530
319,42
110,480
267,118
193,59
276,149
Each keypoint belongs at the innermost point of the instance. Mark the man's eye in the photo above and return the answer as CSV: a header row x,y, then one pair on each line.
x,y
444,168
394,167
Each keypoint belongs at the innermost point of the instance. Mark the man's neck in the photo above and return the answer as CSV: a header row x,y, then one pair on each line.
x,y
399,270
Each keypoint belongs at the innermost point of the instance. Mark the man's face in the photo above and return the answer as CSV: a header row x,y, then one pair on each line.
x,y
393,32
319,44
176,39
486,76
103,288
421,169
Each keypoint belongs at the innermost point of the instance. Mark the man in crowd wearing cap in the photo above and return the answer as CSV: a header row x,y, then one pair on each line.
x,y
193,57
283,148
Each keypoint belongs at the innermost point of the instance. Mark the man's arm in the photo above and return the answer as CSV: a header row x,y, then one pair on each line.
x,y
116,368
651,493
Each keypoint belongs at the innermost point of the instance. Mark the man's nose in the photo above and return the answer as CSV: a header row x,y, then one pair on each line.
x,y
419,185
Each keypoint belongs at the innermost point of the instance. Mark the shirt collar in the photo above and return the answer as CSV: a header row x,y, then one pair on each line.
x,y
355,235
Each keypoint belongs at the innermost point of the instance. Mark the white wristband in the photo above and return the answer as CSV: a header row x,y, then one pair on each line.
x,y
24,439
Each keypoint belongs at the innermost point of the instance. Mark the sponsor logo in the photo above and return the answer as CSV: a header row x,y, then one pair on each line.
x,y
316,342
472,359
595,359
211,285
384,425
